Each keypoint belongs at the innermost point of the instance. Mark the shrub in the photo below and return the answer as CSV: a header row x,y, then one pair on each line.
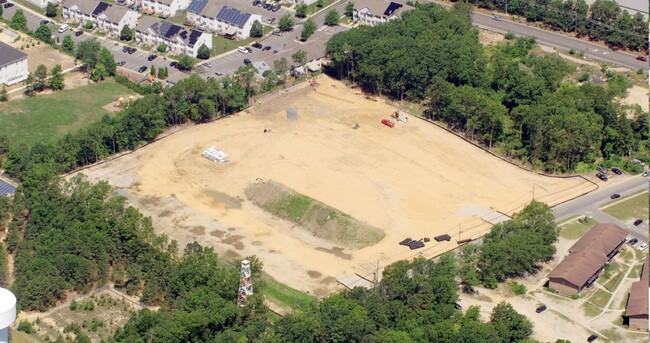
x,y
517,288
162,48
25,327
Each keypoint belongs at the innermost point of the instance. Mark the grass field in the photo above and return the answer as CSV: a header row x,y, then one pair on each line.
x,y
635,273
222,45
633,207
591,310
600,298
286,296
613,283
46,118
313,8
575,230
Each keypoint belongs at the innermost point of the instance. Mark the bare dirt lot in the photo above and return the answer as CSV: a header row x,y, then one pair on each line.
x,y
414,180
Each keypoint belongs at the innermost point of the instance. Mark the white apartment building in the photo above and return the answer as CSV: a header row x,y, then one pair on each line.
x,y
43,3
373,12
104,16
164,8
179,40
227,21
13,65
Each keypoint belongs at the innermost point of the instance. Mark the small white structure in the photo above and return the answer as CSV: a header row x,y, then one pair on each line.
x,y
13,65
43,3
245,283
215,155
7,313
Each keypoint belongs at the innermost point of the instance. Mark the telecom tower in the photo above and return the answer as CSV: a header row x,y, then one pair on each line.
x,y
245,283
7,313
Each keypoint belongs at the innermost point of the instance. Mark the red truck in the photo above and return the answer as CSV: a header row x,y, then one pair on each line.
x,y
387,123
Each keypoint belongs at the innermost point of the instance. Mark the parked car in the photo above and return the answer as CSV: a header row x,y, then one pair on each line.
x,y
257,45
132,50
125,49
271,21
268,47
43,22
276,8
645,173
120,63
615,196
592,338
643,246
62,28
457,306
633,241
152,57
174,64
78,33
638,222
142,69
601,169
207,64
496,17
617,171
7,5
218,73
275,51
247,61
642,58
277,33
266,6
250,51
242,50
601,176
540,309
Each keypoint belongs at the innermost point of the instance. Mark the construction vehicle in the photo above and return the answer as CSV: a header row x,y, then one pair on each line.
x,y
400,116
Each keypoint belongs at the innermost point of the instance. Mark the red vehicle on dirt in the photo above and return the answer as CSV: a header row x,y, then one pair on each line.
x,y
387,123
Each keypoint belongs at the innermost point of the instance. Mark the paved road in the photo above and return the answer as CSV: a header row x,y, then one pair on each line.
x,y
588,205
555,40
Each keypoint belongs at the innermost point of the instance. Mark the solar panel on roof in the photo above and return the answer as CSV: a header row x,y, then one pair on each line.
x,y
183,34
6,188
392,8
101,7
194,36
233,16
197,6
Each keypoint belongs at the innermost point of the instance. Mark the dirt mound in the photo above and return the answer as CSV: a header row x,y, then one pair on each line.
x,y
321,220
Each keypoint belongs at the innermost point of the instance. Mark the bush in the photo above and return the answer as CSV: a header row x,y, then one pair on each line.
x,y
162,48
88,25
73,305
510,36
517,288
25,327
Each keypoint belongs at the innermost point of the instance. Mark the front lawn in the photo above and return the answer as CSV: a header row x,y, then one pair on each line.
x,y
631,208
46,118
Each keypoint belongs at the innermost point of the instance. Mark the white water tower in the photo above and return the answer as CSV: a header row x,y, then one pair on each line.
x,y
7,313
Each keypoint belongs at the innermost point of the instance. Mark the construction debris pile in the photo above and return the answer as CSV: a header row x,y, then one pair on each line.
x,y
215,155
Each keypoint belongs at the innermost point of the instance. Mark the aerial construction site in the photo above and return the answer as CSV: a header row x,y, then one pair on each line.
x,y
320,190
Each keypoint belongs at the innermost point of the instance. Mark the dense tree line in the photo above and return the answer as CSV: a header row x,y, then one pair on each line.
x,y
514,101
603,20
192,99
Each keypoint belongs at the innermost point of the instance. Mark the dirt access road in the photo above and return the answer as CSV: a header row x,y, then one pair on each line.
x,y
414,180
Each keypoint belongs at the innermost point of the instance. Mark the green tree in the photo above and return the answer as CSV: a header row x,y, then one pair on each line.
x,y
349,9
161,73
50,10
162,48
332,17
29,86
153,70
40,78
320,3
299,57
88,25
186,62
257,30
301,10
3,94
1,10
99,73
56,81
126,34
308,29
203,52
510,325
44,34
19,21
68,45
107,59
286,23
281,67
88,53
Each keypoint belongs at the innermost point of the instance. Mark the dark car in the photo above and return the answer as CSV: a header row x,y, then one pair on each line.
x,y
43,22
602,170
249,49
151,57
125,49
275,51
615,196
257,45
7,5
132,50
638,222
218,73
601,176
633,241
457,306
3,1
592,338
642,58
540,309
267,6
120,63
276,33
271,21
78,33
174,64
617,171
247,61
142,69
276,8
268,47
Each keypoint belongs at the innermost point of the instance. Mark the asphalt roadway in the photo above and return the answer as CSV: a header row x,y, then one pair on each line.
x,y
588,205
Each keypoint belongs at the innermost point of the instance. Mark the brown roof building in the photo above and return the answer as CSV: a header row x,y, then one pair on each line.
x,y
637,303
587,258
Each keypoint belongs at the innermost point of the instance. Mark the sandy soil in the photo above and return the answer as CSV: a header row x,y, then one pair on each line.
x,y
414,180
489,38
638,95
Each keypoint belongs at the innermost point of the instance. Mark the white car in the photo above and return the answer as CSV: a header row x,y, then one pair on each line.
x,y
64,28
642,246
243,50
